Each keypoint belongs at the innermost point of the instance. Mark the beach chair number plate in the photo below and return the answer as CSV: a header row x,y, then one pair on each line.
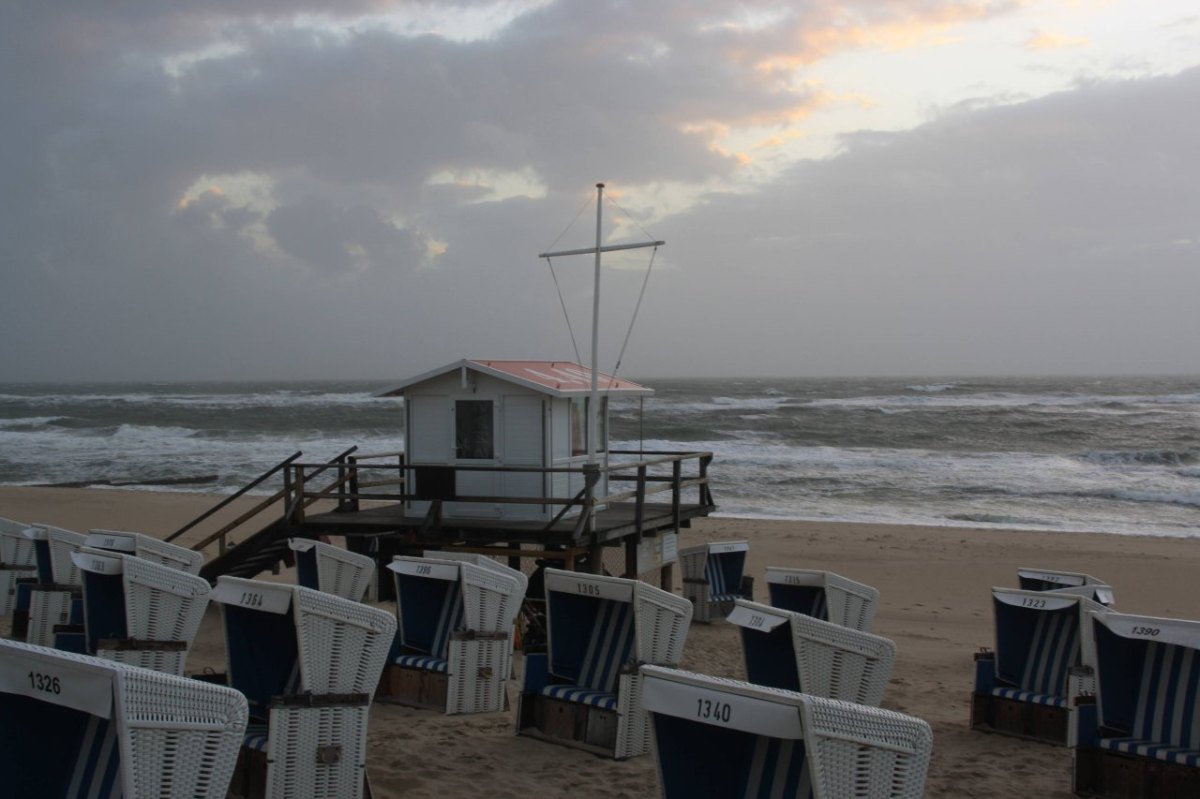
x,y
1029,602
1149,632
46,683
251,599
709,710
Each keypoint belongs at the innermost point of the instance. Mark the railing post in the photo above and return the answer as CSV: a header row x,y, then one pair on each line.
x,y
350,503
676,491
639,503
298,509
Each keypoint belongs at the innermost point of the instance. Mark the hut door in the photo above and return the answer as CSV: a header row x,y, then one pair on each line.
x,y
475,444
524,445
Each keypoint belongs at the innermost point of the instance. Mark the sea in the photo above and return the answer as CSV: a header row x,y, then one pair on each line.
x,y
1114,455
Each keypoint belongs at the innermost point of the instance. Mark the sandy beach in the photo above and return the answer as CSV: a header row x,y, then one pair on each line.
x,y
935,604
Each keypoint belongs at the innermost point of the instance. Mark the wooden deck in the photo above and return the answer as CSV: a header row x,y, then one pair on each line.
x,y
613,524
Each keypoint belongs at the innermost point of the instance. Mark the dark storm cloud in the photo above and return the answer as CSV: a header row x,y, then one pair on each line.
x,y
130,245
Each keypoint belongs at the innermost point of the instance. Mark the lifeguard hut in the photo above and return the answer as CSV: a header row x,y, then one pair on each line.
x,y
500,431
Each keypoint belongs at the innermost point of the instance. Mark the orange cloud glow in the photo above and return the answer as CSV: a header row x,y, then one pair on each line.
x,y
1055,41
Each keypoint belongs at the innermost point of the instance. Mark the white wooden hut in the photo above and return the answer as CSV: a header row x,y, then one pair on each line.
x,y
509,415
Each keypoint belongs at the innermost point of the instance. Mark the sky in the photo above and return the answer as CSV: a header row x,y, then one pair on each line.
x,y
239,189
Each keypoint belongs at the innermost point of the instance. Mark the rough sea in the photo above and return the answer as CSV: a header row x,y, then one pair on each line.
x,y
1118,455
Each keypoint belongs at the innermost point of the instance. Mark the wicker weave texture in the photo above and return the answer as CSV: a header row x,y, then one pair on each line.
x,y
294,770
344,573
478,674
46,609
161,602
662,621
63,543
343,644
858,751
17,559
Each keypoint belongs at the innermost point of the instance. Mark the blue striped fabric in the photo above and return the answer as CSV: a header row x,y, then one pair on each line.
x,y
256,737
609,648
97,770
450,618
581,695
423,662
1053,650
778,768
717,589
1032,697
1166,725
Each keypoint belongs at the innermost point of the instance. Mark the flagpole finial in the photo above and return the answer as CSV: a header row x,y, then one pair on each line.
x,y
599,185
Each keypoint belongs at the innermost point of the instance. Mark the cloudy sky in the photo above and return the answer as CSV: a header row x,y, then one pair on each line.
x,y
257,188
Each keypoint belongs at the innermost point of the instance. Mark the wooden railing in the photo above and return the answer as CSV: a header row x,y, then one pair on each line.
x,y
361,478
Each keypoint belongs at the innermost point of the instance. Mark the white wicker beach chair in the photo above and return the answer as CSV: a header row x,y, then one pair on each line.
x,y
332,569
76,726
585,691
1141,736
723,738
1024,686
307,662
1054,580
713,577
823,595
454,638
17,562
148,547
137,611
796,652
56,598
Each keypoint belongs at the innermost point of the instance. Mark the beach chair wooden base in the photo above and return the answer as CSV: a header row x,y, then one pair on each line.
x,y
250,777
592,729
399,685
1115,775
1027,720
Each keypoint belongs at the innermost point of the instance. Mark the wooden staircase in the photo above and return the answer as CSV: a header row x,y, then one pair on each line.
x,y
260,547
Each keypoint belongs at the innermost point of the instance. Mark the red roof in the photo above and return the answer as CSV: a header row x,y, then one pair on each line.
x,y
560,378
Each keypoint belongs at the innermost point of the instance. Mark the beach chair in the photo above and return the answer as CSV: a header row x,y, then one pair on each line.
x,y
713,577
454,635
795,652
307,662
147,547
727,739
1023,686
137,611
1140,736
585,691
77,726
17,561
332,569
823,595
56,597
1066,582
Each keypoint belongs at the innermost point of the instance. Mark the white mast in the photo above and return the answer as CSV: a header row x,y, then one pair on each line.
x,y
594,400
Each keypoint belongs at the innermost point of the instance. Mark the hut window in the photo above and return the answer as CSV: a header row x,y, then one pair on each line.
x,y
474,430
579,425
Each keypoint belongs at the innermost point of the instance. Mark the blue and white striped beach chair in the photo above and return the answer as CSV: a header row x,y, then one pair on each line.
x,y
76,726
332,569
796,652
307,662
137,611
727,739
1024,686
17,562
454,639
1055,580
823,595
585,690
1141,737
713,577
